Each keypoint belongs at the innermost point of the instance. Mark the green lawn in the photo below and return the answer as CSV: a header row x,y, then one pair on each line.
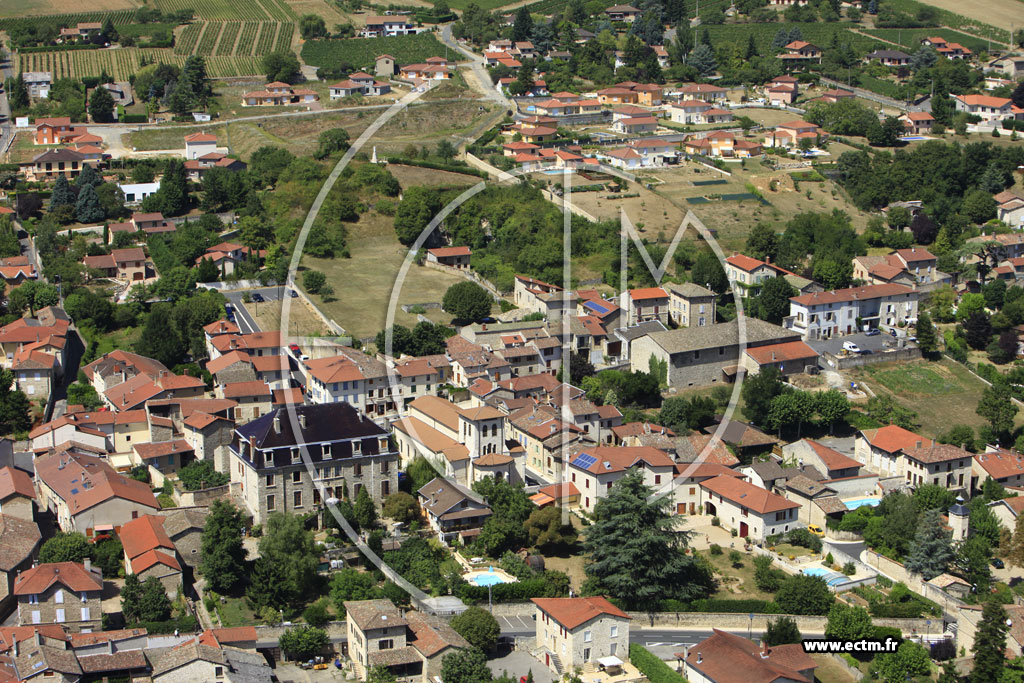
x,y
735,582
235,612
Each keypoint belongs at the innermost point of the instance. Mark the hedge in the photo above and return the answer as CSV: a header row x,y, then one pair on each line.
x,y
134,118
723,606
507,592
183,624
437,166
652,667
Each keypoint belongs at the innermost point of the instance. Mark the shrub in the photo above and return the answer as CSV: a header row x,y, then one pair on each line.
x,y
715,549
849,569
715,521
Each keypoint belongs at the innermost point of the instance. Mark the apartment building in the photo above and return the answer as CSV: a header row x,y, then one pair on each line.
x,y
824,315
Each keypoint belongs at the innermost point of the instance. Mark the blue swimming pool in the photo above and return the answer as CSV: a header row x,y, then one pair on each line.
x,y
858,502
912,138
488,578
831,578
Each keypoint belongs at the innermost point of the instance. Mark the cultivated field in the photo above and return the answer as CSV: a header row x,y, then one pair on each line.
x,y
258,10
33,8
360,52
999,13
123,62
234,38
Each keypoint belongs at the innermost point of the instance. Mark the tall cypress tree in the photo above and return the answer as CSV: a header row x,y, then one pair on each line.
x,y
88,208
931,551
62,194
990,644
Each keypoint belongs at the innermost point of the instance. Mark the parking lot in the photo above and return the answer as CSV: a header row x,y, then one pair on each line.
x,y
873,343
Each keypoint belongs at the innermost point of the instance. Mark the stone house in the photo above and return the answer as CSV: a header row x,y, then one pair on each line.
x,y
595,469
691,305
574,632
452,510
194,660
184,526
642,305
347,451
253,399
750,510
149,551
17,494
65,593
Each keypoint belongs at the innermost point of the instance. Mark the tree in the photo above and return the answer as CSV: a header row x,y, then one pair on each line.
x,y
380,674
331,141
467,301
65,546
88,208
782,631
173,193
772,304
88,176
833,273
925,230
84,395
288,546
803,594
909,660
990,643
366,513
763,242
832,406
931,551
200,474
758,392
478,627
702,58
316,614
465,666
312,26
281,65
131,597
1015,556
523,25
207,271
848,623
418,206
637,551
101,105
979,206
996,405
546,529
352,584
32,295
313,281
887,133
160,339
303,642
708,272
17,94
62,194
223,556
446,150
401,507
154,604
927,340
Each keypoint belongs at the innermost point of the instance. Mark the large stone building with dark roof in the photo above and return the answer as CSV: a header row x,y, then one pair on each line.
x,y
345,450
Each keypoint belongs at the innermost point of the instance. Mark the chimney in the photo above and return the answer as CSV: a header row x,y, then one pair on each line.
x,y
38,637
302,421
277,424
700,658
87,563
15,646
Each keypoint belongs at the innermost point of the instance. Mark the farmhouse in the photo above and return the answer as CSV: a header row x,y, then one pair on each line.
x,y
277,93
823,315
750,510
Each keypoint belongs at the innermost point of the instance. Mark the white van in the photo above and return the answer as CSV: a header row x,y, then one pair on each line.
x,y
851,347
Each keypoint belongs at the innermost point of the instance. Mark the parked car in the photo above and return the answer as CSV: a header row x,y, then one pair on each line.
x,y
294,348
997,563
257,297
293,294
874,332
851,347
815,529
892,333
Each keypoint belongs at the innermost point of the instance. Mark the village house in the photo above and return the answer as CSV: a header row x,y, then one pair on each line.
x,y
64,593
691,305
85,494
453,257
434,70
626,13
700,356
452,511
914,266
726,657
991,109
38,85
576,632
359,83
409,644
594,469
347,450
782,90
752,511
938,464
888,57
642,305
63,161
199,144
636,125
824,315
999,464
881,450
800,52
704,92
278,93
50,130
148,551
917,122
790,133
946,48
393,25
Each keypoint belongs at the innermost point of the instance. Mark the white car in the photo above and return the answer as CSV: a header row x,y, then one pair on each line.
x,y
851,347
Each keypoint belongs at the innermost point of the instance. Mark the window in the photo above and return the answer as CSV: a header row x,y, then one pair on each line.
x,y
60,615
296,477
297,499
385,467
33,599
357,470
326,452
270,502
35,617
85,614
218,671
615,631
270,480
84,596
357,447
58,597
588,636
268,459
385,488
295,455
614,647
386,644
657,479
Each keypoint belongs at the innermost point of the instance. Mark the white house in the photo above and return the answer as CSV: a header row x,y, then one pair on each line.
x,y
574,632
750,510
823,315
596,468
134,193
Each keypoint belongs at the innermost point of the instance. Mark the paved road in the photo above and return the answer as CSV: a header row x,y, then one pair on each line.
x,y
246,323
476,63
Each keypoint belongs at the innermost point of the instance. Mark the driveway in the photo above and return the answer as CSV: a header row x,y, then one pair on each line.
x,y
876,343
518,663
479,72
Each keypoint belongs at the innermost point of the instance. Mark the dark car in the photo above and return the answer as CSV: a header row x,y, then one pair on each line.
x,y
873,333
892,333
866,352
293,294
257,297
997,563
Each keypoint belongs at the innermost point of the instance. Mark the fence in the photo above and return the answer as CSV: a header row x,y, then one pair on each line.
x,y
857,360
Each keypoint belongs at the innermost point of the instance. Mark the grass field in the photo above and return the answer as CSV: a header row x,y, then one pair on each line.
x,y
124,62
732,581
363,283
986,18
942,393
360,52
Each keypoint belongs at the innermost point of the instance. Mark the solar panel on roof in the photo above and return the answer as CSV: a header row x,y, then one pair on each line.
x,y
597,307
584,461
74,491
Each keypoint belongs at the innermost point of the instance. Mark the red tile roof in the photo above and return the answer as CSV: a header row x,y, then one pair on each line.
x,y
144,534
573,612
893,438
442,252
781,353
647,293
71,575
932,452
1001,464
833,459
747,495
245,389
83,482
14,481
851,294
151,558
607,459
729,658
